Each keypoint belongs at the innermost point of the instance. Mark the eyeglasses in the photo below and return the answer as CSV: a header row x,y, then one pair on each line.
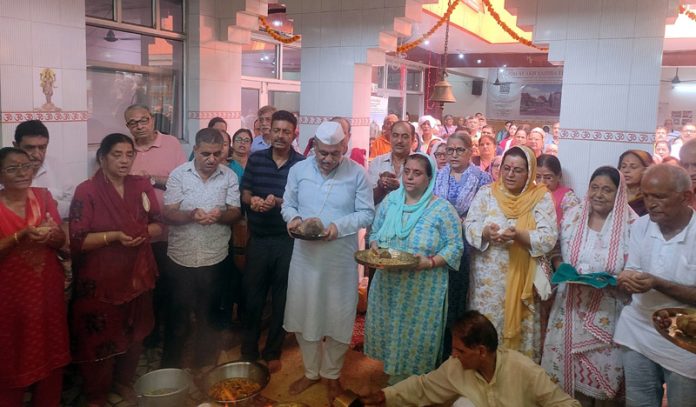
x,y
515,170
243,140
16,168
458,150
134,123
439,155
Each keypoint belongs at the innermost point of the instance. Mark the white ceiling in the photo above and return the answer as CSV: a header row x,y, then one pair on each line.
x,y
462,41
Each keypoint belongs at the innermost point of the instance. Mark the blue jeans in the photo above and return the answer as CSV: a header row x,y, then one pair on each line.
x,y
644,379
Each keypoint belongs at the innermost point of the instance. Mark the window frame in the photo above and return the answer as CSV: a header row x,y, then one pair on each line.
x,y
383,91
154,31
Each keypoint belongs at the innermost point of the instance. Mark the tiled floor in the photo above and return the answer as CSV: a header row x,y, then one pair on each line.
x,y
359,373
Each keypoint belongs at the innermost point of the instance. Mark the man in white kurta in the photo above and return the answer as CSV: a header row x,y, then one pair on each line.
x,y
322,291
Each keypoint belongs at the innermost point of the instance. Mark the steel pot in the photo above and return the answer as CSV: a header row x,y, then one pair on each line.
x,y
152,387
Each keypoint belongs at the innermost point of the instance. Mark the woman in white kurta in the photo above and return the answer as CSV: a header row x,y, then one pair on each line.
x,y
511,224
579,352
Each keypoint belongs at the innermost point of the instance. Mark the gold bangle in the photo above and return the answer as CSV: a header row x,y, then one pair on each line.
x,y
15,238
106,242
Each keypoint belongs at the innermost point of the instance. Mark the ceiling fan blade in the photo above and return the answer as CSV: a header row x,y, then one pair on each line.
x,y
111,37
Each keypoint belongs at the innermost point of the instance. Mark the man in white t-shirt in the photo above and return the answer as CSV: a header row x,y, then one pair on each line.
x,y
660,273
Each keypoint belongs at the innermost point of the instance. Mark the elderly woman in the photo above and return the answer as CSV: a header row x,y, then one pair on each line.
x,y
579,352
448,126
405,325
427,132
112,217
535,141
486,151
632,164
33,322
439,154
458,182
549,173
511,224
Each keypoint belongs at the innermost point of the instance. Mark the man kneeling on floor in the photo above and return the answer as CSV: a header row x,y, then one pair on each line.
x,y
479,374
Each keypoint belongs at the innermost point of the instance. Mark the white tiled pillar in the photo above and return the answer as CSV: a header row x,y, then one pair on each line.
x,y
34,35
214,66
341,41
611,51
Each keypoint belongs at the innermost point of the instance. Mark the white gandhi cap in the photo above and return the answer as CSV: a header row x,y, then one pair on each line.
x,y
330,133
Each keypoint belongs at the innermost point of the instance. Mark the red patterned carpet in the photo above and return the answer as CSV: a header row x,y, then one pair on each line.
x,y
358,339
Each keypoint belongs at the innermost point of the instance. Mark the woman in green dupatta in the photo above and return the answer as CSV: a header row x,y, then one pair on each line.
x,y
407,308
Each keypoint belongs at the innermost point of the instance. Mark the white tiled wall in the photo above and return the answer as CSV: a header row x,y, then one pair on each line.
x,y
611,51
38,34
337,37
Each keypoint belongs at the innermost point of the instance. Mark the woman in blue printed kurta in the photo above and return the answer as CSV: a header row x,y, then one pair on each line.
x,y
407,308
458,182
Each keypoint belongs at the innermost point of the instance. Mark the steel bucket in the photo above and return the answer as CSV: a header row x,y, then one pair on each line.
x,y
152,387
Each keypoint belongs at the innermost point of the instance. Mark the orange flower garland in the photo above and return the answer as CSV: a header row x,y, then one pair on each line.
x,y
507,29
277,34
687,12
413,44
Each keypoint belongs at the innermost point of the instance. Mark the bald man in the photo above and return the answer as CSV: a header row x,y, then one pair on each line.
x,y
687,159
660,273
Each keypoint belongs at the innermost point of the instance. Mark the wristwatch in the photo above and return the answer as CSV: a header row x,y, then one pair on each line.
x,y
156,185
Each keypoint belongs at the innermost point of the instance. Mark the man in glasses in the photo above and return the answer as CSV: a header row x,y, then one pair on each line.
x,y
32,137
157,155
265,139
688,133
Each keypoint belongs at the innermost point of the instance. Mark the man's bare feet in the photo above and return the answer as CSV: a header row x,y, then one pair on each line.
x,y
300,385
334,389
274,366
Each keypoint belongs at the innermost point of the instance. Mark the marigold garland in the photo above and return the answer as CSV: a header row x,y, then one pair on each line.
x,y
277,35
413,44
687,12
507,29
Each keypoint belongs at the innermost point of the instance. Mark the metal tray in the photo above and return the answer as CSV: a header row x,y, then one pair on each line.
x,y
399,260
300,236
674,334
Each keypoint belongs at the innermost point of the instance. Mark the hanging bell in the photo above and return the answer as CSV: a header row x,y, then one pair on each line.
x,y
442,92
